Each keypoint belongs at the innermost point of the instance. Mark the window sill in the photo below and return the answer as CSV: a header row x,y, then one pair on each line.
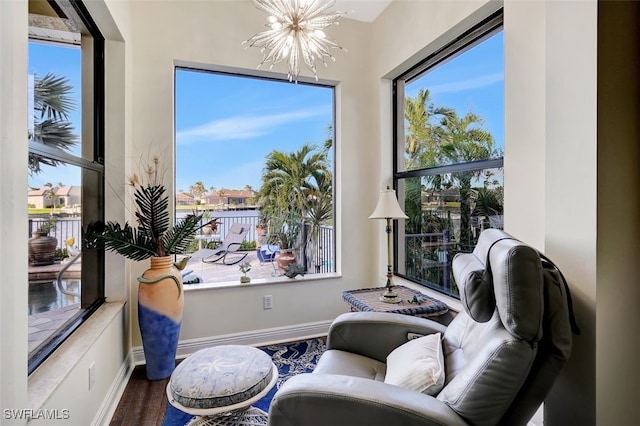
x,y
43,382
259,282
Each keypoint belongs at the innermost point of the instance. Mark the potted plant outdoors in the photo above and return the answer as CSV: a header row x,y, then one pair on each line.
x,y
285,230
245,267
160,295
42,246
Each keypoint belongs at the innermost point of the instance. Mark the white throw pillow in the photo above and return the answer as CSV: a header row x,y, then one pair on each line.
x,y
418,365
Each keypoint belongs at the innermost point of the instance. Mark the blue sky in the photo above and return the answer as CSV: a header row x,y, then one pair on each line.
x,y
226,125
471,82
62,61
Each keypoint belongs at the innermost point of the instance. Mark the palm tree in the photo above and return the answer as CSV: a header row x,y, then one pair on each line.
x,y
296,185
197,190
422,141
422,130
464,140
52,104
293,176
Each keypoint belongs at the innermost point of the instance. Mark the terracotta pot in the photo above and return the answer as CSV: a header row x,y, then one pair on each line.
x,y
245,279
160,307
284,258
42,249
207,230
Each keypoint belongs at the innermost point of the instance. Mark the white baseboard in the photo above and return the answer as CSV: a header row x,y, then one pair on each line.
x,y
110,403
262,337
186,347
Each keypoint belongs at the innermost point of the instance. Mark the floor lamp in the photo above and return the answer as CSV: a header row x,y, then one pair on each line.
x,y
388,209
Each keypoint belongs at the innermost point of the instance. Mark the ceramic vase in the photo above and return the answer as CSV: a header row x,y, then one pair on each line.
x,y
42,249
285,258
160,306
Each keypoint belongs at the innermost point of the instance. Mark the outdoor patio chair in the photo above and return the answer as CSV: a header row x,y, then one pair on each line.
x,y
267,254
230,245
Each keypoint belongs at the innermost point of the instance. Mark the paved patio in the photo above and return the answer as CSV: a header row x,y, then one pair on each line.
x,y
219,272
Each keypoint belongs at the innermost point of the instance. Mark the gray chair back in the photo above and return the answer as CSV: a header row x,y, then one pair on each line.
x,y
503,352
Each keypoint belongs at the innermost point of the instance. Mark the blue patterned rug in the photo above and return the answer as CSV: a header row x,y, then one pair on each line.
x,y
290,358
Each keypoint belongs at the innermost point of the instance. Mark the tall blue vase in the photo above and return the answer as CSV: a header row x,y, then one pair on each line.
x,y
160,306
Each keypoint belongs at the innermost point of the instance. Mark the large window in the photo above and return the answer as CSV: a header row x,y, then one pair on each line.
x,y
65,166
448,154
255,156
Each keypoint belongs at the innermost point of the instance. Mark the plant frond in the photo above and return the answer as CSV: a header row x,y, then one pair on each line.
x,y
153,210
52,97
124,240
178,238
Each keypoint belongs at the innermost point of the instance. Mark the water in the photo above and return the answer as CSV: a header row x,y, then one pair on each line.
x,y
44,295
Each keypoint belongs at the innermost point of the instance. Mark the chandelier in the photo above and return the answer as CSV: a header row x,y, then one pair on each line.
x,y
296,30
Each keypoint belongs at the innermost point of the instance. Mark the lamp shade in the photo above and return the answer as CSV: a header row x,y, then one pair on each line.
x,y
388,207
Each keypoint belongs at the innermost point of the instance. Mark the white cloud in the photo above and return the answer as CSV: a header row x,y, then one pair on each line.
x,y
243,126
472,83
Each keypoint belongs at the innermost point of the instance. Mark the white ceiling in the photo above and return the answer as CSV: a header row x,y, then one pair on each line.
x,y
361,10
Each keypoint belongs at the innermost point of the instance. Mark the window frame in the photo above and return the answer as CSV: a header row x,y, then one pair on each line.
x,y
274,77
93,269
483,30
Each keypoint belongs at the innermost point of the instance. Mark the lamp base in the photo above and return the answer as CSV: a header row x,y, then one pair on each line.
x,y
389,296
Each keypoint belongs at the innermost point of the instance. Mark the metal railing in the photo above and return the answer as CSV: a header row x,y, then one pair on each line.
x,y
428,260
66,227
317,254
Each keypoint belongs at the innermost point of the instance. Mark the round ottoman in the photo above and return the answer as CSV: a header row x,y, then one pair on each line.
x,y
219,384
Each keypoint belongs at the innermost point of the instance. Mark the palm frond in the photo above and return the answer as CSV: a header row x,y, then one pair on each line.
x,y
124,240
54,133
153,212
52,97
178,238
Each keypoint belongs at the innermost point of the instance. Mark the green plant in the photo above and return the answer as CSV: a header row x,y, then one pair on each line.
x,y
245,267
48,225
247,245
52,104
284,230
153,237
61,254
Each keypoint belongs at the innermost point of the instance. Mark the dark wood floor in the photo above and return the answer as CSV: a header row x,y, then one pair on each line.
x,y
143,402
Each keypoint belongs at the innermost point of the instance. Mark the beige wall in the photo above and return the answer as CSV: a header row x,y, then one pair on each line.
x,y
553,155
559,135
13,182
109,349
210,34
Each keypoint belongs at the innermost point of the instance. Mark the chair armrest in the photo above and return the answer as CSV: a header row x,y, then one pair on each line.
x,y
331,399
376,334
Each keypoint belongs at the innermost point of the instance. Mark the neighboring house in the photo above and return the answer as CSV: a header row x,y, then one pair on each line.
x,y
441,197
183,199
37,198
54,197
67,196
230,197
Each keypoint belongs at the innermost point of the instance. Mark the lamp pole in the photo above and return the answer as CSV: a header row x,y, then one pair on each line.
x,y
388,209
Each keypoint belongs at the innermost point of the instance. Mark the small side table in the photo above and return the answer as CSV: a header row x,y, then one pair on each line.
x,y
368,300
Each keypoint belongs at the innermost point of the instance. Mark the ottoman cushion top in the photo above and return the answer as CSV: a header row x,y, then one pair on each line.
x,y
220,376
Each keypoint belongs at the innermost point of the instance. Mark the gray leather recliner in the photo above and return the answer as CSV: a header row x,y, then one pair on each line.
x,y
502,353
